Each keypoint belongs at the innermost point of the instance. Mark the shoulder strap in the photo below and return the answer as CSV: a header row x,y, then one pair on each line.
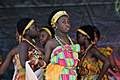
x,y
33,46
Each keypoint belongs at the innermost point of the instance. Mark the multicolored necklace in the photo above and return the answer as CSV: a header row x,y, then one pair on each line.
x,y
59,40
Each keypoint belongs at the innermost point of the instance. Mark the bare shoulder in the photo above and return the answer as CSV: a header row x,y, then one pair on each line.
x,y
23,44
52,43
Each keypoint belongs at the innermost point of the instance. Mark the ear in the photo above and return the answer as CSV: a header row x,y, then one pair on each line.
x,y
56,24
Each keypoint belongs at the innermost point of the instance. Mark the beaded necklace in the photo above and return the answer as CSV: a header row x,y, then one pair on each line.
x,y
59,40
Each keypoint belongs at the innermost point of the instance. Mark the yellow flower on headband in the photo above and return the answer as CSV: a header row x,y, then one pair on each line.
x,y
57,16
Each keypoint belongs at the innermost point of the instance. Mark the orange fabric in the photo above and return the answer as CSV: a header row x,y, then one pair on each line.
x,y
53,72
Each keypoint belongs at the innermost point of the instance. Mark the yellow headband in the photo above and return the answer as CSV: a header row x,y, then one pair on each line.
x,y
48,31
83,32
56,17
28,26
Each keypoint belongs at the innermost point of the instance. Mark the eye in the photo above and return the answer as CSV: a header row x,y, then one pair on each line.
x,y
64,22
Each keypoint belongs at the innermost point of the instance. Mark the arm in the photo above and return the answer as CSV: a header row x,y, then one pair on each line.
x,y
0,59
113,66
23,52
48,50
8,60
102,58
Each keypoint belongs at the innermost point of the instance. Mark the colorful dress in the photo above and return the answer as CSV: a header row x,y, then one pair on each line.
x,y
21,71
63,63
91,69
106,52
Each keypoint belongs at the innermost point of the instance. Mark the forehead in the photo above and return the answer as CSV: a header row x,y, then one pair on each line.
x,y
43,32
79,34
64,18
33,25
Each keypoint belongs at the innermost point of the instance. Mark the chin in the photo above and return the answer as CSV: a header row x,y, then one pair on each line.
x,y
66,32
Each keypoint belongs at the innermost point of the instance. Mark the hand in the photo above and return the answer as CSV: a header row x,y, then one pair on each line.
x,y
34,61
116,69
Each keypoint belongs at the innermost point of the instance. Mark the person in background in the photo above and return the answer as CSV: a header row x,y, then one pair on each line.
x,y
0,58
46,33
11,56
106,51
89,68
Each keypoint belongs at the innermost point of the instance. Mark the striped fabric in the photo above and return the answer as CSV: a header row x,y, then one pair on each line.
x,y
64,62
21,71
93,66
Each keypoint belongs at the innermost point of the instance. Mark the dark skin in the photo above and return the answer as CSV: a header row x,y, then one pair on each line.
x,y
9,57
44,37
93,54
8,60
24,47
113,65
0,58
63,27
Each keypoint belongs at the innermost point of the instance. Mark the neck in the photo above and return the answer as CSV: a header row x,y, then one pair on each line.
x,y
86,44
29,39
61,35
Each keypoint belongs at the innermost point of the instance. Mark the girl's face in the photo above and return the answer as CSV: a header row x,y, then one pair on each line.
x,y
43,37
33,30
63,24
80,38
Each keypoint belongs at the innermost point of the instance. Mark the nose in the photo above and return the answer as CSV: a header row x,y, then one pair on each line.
x,y
37,29
40,37
68,24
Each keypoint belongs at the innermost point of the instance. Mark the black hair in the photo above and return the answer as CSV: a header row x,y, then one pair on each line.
x,y
96,30
51,30
52,14
89,30
21,24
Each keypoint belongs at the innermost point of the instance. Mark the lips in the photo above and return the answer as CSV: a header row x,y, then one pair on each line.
x,y
42,42
67,29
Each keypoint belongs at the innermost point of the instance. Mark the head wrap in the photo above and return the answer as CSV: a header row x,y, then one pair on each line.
x,y
49,30
22,26
56,16
87,30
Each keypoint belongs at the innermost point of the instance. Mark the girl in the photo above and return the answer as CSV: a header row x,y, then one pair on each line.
x,y
27,31
60,51
89,68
